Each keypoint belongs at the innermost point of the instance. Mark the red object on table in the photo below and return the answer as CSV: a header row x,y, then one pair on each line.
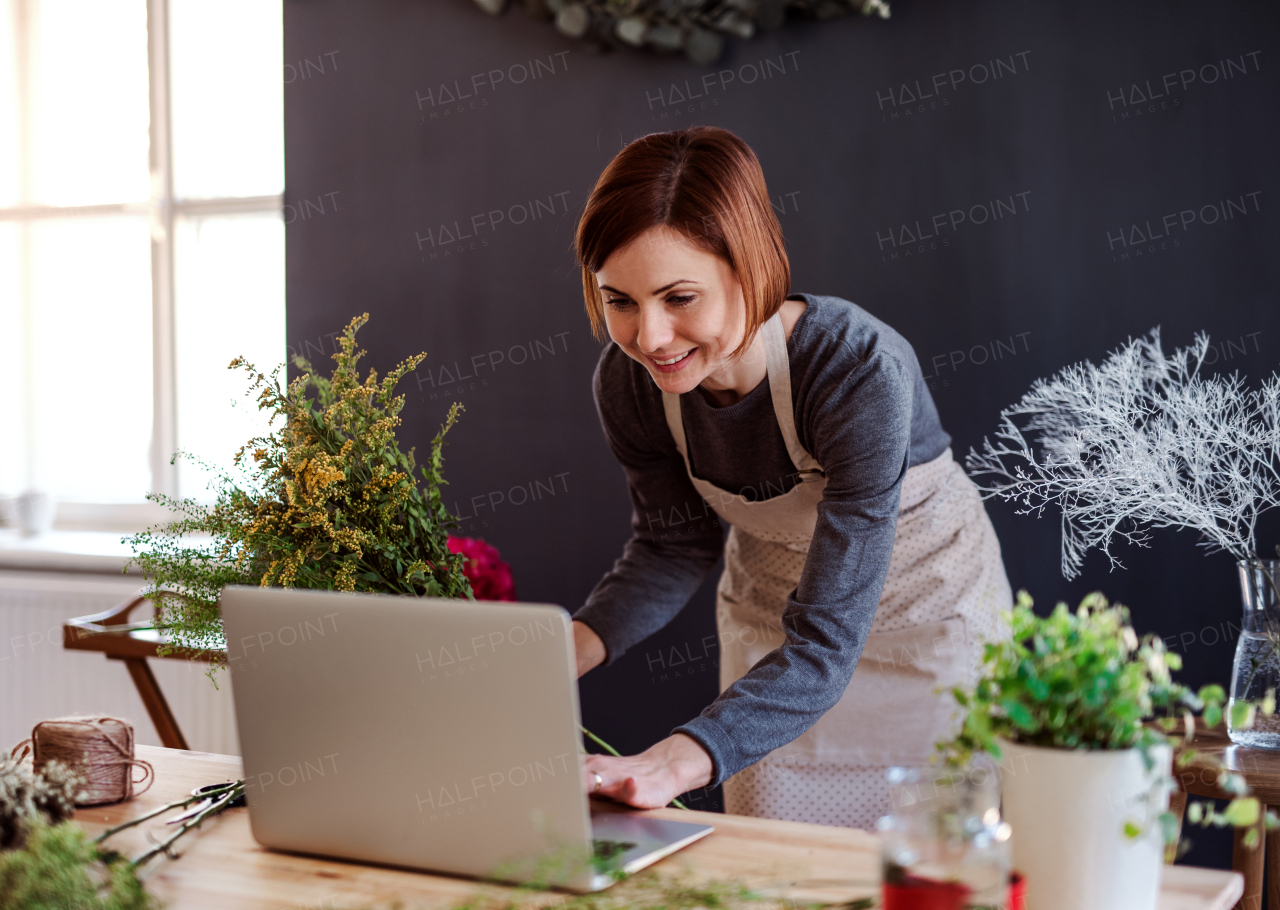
x,y
916,893
1017,892
912,892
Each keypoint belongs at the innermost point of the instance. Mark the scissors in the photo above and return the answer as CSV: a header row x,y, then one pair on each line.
x,y
205,803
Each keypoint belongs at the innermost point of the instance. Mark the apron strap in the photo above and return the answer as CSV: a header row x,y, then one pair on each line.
x,y
779,367
779,371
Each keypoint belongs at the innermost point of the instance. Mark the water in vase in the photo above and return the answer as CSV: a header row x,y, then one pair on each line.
x,y
1256,671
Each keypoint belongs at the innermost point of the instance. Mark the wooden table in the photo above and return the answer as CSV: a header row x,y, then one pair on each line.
x,y
112,634
1261,771
222,866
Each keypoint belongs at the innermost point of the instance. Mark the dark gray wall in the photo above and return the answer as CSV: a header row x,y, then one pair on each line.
x,y
1074,128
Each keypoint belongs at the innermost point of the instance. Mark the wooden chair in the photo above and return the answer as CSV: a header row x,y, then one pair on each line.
x,y
1261,770
112,634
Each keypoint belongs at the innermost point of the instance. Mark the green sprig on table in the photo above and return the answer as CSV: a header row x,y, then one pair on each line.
x,y
651,890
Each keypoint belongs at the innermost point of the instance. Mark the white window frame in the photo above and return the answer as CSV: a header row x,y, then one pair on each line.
x,y
162,210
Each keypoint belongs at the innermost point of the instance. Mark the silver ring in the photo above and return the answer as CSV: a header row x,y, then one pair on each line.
x,y
599,782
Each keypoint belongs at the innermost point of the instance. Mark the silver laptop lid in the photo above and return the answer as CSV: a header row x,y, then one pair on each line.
x,y
430,733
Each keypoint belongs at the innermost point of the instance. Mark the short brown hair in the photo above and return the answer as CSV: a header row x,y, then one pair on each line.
x,y
704,182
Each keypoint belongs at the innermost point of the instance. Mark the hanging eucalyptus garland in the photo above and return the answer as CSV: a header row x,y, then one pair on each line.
x,y
695,27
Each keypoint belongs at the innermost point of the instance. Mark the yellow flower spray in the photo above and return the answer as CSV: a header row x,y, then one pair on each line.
x,y
331,502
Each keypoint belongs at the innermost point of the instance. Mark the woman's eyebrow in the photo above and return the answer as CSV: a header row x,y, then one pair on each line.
x,y
665,287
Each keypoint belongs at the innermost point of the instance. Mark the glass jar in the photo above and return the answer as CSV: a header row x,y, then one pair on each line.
x,y
943,845
1256,673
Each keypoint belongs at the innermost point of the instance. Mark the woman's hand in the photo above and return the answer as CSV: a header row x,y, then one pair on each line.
x,y
653,778
587,646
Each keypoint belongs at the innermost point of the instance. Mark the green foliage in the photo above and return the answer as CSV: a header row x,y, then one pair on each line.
x,y
1084,680
1075,680
59,869
27,798
46,861
650,890
328,500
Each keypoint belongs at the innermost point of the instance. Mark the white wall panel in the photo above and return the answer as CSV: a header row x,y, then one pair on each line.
x,y
40,680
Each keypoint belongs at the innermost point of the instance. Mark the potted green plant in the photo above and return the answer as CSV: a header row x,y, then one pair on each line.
x,y
1079,712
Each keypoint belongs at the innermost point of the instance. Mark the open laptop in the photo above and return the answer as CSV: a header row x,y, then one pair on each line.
x,y
429,733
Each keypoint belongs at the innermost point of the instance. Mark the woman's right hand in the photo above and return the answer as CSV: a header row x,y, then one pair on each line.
x,y
588,647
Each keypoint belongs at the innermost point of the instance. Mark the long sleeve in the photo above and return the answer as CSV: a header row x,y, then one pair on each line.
x,y
859,431
675,536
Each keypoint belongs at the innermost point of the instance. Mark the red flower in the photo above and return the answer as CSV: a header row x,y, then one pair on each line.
x,y
490,577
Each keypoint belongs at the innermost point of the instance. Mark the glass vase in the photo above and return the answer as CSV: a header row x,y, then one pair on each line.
x,y
1257,666
943,846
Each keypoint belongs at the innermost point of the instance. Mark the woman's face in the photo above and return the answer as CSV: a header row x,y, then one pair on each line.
x,y
674,308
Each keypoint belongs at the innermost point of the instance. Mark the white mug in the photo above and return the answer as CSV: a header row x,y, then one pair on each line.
x,y
34,512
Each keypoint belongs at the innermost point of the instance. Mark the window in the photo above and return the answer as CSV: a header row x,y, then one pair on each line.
x,y
141,244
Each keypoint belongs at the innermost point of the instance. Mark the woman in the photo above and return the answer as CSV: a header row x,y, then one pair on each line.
x,y
804,424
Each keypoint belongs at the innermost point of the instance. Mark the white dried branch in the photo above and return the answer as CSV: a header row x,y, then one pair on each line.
x,y
1143,441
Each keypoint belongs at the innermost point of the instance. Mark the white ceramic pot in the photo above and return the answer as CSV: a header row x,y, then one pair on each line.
x,y
1068,811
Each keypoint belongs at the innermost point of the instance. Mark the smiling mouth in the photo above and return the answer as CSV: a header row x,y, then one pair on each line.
x,y
676,359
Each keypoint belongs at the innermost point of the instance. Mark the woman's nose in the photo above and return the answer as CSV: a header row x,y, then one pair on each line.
x,y
654,330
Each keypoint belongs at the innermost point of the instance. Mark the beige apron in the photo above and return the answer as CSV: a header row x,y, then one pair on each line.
x,y
943,596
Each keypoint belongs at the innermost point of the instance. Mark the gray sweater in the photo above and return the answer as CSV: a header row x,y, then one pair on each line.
x,y
862,409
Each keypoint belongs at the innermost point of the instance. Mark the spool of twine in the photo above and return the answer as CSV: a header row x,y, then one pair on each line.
x,y
98,749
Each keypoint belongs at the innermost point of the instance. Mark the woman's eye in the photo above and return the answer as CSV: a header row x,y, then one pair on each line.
x,y
617,302
681,299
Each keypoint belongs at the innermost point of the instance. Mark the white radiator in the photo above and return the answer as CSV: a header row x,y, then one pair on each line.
x,y
40,680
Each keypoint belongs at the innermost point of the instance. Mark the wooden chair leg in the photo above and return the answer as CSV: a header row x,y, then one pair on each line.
x,y
1178,806
157,707
1273,867
1250,863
